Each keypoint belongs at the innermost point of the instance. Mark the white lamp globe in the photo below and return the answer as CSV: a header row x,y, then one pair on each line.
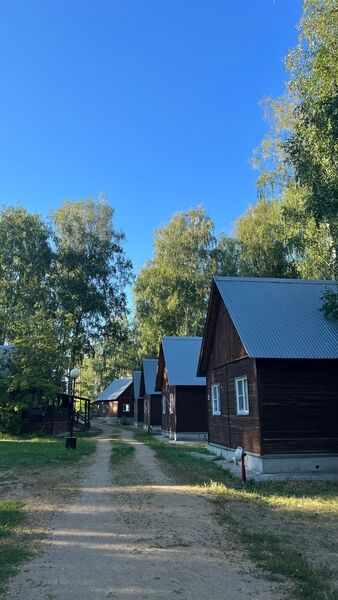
x,y
74,373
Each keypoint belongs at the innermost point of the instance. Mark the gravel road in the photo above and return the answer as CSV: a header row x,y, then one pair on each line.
x,y
132,534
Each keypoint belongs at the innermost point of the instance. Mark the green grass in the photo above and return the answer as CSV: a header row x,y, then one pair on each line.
x,y
121,451
41,450
11,553
266,550
27,452
277,522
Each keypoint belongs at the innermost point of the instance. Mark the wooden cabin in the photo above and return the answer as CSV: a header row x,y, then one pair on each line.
x,y
138,401
270,357
184,400
152,398
116,402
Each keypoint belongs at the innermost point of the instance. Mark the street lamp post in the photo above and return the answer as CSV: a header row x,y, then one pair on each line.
x,y
71,440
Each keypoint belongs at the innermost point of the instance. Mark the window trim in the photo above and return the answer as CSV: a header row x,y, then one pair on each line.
x,y
164,404
171,403
218,412
124,409
245,395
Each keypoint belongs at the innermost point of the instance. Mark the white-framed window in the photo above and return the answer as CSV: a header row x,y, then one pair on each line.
x,y
216,399
171,404
242,395
163,404
126,408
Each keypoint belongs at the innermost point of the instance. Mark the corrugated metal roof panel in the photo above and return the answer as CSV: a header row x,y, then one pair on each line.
x,y
280,318
136,383
181,356
149,370
115,389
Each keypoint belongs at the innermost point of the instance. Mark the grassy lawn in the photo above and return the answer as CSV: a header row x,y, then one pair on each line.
x,y
11,553
33,451
289,529
38,460
121,451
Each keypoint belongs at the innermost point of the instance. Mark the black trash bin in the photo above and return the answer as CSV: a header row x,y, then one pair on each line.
x,y
71,442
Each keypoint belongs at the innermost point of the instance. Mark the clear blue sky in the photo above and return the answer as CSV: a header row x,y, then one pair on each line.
x,y
154,103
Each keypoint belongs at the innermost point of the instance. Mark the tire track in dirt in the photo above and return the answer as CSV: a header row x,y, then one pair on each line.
x,y
132,534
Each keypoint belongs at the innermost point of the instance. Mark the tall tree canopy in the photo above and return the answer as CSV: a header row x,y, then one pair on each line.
x,y
172,289
91,272
25,266
312,147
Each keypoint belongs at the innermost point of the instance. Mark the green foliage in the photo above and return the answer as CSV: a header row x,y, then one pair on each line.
x,y
61,293
117,356
25,263
301,148
10,416
91,272
172,289
312,148
263,237
330,304
278,238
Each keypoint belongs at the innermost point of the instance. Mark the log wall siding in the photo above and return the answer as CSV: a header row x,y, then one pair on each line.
x,y
226,346
191,409
152,410
127,397
230,429
138,410
299,405
168,420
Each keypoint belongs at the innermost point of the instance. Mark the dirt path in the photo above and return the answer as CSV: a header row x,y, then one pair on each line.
x,y
132,535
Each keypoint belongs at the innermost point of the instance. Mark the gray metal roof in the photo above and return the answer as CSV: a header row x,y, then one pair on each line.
x,y
181,356
114,390
149,366
136,384
280,318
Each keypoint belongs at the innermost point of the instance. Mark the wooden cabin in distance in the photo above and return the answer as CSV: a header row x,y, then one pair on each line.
x,y
271,361
184,400
116,402
152,398
138,402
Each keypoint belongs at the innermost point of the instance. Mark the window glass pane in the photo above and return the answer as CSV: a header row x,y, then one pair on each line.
x,y
240,387
246,398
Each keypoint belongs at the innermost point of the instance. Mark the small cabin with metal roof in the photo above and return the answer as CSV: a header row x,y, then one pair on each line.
x,y
116,402
138,401
270,357
184,400
152,398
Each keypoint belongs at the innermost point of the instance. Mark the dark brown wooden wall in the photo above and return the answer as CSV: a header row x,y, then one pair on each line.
x,y
299,405
152,410
139,410
191,409
229,429
168,420
226,345
127,397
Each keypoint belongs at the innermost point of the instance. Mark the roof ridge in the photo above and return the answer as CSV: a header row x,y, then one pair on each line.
x,y
275,280
181,337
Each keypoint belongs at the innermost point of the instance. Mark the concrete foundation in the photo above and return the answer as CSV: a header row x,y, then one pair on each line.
x,y
152,428
186,436
282,463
